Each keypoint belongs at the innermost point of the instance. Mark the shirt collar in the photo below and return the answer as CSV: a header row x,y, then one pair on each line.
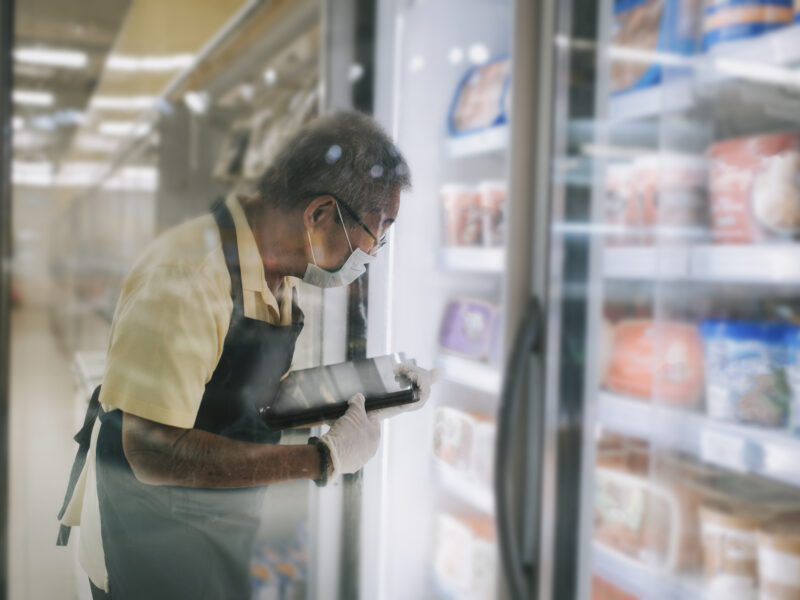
x,y
250,259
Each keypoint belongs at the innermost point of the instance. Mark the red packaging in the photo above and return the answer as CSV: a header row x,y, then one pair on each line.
x,y
664,360
462,218
755,195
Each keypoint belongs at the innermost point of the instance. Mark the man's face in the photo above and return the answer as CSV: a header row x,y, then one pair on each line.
x,y
377,223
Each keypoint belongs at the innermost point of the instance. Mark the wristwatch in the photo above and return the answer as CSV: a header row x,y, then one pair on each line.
x,y
324,460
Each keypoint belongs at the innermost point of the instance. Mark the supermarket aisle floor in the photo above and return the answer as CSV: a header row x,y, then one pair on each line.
x,y
42,416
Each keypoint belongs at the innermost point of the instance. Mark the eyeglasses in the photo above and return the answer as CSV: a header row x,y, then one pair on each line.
x,y
379,243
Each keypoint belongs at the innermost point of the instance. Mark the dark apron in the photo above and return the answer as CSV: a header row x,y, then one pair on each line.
x,y
175,542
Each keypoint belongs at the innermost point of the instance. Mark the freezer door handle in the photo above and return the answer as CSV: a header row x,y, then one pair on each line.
x,y
526,343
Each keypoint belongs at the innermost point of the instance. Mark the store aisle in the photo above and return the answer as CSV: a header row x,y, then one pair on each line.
x,y
42,419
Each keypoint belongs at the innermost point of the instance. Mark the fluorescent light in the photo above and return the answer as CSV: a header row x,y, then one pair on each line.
x,y
270,76
124,128
17,123
32,173
82,174
123,103
96,143
197,102
33,98
70,59
170,62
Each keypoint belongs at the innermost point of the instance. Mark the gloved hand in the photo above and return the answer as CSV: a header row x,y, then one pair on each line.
x,y
353,438
422,380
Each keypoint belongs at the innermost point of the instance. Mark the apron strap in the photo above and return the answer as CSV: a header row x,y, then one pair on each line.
x,y
84,439
230,248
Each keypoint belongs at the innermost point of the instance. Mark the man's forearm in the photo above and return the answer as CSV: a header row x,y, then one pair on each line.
x,y
164,455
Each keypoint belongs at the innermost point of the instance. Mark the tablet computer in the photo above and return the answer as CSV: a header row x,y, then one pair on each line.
x,y
319,394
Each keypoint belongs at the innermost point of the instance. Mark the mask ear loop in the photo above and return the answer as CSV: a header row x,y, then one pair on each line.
x,y
339,210
310,245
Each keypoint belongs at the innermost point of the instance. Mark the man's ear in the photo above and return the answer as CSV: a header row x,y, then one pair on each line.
x,y
320,210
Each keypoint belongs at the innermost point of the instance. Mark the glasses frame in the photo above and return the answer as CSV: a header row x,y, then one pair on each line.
x,y
379,243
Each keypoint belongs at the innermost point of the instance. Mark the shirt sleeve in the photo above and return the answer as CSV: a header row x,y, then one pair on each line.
x,y
166,340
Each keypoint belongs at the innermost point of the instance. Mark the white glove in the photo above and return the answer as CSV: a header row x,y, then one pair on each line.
x,y
422,379
353,438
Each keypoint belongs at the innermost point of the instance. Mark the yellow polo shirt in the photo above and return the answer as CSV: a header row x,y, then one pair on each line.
x,y
166,339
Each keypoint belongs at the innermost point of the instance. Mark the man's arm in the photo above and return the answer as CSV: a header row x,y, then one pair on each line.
x,y
165,455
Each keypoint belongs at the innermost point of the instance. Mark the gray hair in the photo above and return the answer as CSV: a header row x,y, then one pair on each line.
x,y
345,154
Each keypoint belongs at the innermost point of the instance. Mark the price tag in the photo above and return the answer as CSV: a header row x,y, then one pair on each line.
x,y
724,450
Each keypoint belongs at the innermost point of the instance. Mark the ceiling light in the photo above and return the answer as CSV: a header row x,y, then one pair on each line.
x,y
33,98
17,123
96,143
170,62
197,102
270,76
133,103
124,128
70,59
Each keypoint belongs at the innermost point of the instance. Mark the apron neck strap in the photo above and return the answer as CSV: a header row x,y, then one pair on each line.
x,y
230,248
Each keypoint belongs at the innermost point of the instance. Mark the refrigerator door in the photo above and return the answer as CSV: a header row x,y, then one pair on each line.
x,y
674,201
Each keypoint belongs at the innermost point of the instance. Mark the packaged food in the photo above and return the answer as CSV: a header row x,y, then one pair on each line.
x,y
797,11
729,20
462,215
467,328
464,555
779,561
672,196
605,590
480,98
663,361
729,549
746,378
755,193
483,450
492,201
651,26
465,441
793,374
621,205
638,518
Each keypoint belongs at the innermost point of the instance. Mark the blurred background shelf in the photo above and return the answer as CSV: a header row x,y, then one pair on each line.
x,y
643,582
459,485
481,376
672,97
645,263
494,139
478,259
770,453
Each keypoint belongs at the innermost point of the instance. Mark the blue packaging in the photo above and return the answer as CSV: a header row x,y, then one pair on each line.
x,y
792,341
666,27
490,81
730,20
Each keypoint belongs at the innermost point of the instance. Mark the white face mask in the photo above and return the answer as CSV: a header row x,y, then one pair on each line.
x,y
353,268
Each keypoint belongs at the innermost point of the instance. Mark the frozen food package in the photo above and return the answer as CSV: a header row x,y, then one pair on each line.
x,y
779,560
754,188
603,589
482,462
462,215
672,196
746,378
492,201
467,328
638,518
663,361
730,20
729,549
651,26
480,101
797,11
792,341
621,205
464,555
453,437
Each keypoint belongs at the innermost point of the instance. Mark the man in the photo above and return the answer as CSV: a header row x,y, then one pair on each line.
x,y
204,330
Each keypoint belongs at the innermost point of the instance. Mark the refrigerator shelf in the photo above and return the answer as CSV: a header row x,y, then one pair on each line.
x,y
495,139
673,97
755,264
459,485
474,374
741,448
642,582
478,259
